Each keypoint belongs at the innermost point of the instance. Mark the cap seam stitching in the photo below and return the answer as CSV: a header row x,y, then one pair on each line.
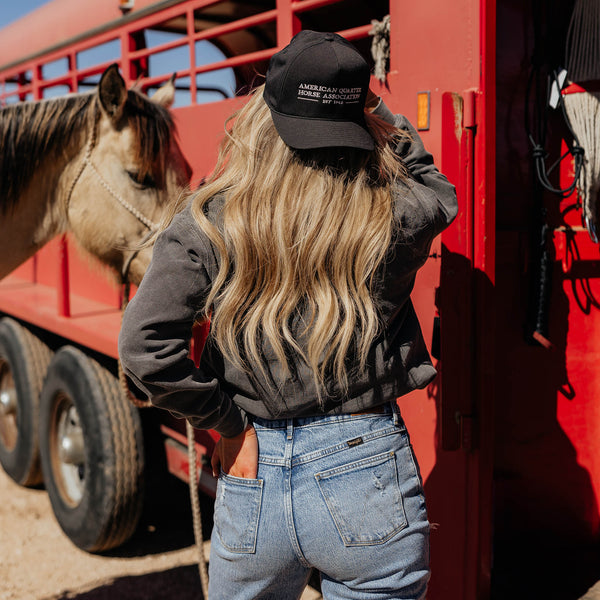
x,y
289,68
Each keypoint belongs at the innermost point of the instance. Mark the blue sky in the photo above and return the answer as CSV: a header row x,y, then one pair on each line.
x,y
11,10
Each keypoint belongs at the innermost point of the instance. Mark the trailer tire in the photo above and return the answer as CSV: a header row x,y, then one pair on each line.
x,y
24,359
92,454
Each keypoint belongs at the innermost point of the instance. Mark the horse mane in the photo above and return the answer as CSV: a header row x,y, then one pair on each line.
x,y
33,132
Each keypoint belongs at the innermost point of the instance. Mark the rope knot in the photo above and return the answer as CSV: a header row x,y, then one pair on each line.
x,y
538,152
577,151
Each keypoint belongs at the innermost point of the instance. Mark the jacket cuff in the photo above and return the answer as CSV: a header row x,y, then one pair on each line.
x,y
234,424
383,112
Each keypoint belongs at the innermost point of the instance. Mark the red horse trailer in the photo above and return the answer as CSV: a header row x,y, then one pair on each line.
x,y
508,436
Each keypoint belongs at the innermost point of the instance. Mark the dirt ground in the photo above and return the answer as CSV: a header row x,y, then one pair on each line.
x,y
38,562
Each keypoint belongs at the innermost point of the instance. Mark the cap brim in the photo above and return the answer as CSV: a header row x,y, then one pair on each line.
x,y
305,133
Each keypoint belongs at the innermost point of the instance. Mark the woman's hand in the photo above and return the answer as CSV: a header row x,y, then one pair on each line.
x,y
237,456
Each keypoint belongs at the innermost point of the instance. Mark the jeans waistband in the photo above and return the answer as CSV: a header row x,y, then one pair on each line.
x,y
387,409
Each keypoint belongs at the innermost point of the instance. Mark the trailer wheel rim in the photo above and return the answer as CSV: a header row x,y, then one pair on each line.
x,y
67,451
9,430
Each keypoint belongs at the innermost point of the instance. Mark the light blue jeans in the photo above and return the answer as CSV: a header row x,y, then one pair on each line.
x,y
341,494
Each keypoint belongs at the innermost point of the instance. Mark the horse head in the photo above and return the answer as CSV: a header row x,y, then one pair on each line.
x,y
128,174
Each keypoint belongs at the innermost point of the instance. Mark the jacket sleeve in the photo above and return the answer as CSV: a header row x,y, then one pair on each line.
x,y
433,194
155,334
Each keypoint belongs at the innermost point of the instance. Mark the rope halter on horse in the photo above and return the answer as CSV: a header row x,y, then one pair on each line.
x,y
87,162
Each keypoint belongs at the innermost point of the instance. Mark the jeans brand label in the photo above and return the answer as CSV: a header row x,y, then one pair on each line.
x,y
355,442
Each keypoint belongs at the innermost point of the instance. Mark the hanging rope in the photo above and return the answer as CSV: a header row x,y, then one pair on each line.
x,y
380,47
536,113
192,457
543,290
538,86
196,514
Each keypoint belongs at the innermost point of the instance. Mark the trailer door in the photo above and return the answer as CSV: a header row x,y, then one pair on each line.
x,y
442,56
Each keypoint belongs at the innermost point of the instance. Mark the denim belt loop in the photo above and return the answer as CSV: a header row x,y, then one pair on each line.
x,y
396,413
290,429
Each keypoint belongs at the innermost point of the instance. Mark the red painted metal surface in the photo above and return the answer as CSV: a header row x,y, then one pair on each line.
x,y
63,295
455,457
577,410
451,423
179,464
547,431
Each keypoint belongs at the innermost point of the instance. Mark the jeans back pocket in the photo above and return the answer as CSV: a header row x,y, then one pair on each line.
x,y
364,499
237,511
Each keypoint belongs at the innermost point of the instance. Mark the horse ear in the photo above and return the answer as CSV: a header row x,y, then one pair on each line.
x,y
112,92
165,95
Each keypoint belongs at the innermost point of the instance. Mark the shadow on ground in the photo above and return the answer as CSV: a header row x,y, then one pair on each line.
x,y
182,583
166,524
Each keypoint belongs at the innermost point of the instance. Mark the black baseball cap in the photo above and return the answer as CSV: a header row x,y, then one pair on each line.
x,y
316,88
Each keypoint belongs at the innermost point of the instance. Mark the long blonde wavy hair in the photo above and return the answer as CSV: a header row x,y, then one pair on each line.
x,y
300,238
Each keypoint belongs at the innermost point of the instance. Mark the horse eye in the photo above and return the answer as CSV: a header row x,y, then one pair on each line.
x,y
146,182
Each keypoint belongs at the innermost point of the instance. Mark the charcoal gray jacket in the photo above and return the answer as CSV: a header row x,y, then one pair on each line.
x,y
155,335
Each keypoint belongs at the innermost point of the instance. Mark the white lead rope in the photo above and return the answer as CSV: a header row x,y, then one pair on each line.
x,y
195,501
